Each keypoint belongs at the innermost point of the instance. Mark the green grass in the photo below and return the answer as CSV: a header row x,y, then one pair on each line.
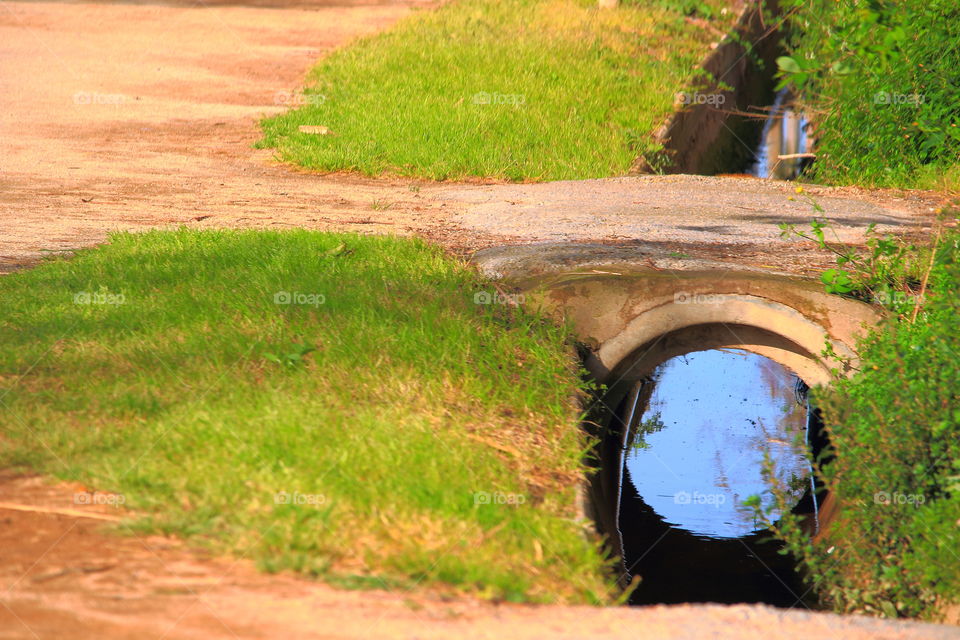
x,y
896,427
574,91
161,367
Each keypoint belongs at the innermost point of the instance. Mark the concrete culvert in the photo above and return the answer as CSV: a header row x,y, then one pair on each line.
x,y
642,331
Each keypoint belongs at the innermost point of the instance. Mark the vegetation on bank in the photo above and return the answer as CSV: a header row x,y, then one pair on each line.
x,y
333,404
881,81
894,549
516,90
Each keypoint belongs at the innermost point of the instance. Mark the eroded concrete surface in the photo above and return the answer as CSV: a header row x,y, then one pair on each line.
x,y
677,208
619,307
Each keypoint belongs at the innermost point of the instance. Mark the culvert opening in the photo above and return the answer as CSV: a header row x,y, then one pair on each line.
x,y
784,151
682,448
774,141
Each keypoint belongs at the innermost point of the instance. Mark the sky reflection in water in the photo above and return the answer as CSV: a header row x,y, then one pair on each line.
x,y
721,409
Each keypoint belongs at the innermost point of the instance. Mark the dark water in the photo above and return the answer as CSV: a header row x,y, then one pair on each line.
x,y
699,431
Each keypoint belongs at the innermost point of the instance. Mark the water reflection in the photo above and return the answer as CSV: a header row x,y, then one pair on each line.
x,y
719,414
693,443
784,142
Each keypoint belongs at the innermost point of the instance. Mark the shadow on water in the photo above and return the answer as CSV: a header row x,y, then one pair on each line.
x,y
680,451
677,566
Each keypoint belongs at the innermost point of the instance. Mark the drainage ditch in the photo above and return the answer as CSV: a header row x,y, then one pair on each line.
x,y
737,123
686,446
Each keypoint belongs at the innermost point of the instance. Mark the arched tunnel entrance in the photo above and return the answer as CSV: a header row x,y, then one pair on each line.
x,y
697,371
688,428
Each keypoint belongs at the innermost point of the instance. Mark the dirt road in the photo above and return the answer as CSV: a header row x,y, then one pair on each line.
x,y
134,115
63,577
129,115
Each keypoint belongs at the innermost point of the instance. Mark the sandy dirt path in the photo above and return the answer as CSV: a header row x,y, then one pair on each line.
x,y
64,577
129,116
141,115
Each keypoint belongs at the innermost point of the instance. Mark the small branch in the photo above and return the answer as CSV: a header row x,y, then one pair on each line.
x,y
507,298
75,513
926,276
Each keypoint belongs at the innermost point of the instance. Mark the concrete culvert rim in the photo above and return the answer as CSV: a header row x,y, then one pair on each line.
x,y
749,322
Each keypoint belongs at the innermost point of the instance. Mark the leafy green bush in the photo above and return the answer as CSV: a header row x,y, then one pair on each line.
x,y
895,432
882,81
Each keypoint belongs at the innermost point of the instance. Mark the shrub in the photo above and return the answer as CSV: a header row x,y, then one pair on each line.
x,y
882,81
895,431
